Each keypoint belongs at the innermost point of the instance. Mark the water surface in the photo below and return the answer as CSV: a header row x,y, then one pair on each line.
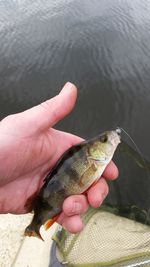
x,y
101,46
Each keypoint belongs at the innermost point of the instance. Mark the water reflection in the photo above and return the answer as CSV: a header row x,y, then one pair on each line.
x,y
101,46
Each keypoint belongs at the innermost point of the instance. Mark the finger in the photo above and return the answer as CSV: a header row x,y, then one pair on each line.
x,y
72,224
97,193
74,205
65,139
111,171
51,111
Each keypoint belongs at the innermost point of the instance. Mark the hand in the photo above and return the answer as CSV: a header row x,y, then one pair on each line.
x,y
29,148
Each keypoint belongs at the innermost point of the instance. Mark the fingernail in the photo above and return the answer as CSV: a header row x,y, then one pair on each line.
x,y
67,86
76,208
103,196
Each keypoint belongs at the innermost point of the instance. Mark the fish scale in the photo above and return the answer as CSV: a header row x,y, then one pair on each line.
x,y
78,168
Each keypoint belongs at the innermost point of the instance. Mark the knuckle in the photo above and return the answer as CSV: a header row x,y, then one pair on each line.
x,y
45,104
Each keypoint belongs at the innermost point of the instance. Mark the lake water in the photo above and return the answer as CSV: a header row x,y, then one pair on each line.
x,y
101,46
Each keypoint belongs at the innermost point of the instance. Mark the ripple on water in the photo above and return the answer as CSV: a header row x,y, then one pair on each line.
x,y
102,46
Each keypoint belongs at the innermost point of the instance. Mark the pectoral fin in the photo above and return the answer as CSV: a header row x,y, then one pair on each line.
x,y
88,174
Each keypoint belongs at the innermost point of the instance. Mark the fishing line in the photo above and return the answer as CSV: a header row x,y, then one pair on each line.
x,y
118,130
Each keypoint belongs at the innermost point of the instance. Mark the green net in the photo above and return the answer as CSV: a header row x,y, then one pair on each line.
x,y
118,233
108,239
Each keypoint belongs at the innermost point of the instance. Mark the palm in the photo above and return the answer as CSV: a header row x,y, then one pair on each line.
x,y
30,158
28,150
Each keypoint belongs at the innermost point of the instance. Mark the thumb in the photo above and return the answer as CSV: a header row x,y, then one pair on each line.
x,y
53,110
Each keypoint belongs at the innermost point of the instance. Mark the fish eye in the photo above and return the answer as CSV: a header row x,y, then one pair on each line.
x,y
103,138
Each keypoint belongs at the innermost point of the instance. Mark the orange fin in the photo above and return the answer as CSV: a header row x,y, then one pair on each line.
x,y
50,222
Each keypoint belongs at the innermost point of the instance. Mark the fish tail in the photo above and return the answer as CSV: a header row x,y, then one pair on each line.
x,y
32,230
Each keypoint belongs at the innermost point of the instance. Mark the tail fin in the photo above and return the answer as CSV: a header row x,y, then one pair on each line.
x,y
31,230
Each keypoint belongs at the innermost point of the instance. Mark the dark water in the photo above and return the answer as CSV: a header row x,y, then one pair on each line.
x,y
101,46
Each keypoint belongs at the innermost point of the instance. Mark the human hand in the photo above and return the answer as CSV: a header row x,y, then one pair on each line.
x,y
29,148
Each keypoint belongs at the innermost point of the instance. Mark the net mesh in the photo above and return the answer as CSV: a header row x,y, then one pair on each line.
x,y
107,240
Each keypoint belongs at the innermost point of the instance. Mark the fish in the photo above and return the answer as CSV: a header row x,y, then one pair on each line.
x,y
75,172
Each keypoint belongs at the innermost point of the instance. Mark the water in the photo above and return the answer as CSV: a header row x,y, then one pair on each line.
x,y
101,46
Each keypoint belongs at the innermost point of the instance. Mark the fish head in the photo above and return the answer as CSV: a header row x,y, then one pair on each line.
x,y
104,146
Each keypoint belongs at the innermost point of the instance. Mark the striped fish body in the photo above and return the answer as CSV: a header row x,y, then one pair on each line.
x,y
78,168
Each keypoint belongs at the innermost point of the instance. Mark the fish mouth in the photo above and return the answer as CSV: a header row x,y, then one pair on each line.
x,y
118,131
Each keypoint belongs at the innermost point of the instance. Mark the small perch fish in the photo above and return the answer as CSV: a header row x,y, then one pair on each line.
x,y
78,168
